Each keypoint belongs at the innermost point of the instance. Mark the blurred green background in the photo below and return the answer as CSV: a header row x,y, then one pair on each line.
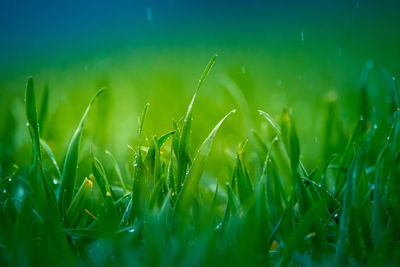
x,y
294,54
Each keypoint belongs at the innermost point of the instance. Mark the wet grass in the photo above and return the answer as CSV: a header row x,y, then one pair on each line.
x,y
161,208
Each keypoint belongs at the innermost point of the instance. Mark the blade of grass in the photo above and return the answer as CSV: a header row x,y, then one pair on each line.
x,y
49,152
164,138
183,148
117,170
36,172
192,180
75,210
43,108
71,163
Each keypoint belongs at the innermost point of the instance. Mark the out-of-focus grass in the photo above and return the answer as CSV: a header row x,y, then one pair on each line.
x,y
261,195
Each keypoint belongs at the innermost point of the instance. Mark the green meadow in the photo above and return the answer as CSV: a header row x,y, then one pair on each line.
x,y
207,168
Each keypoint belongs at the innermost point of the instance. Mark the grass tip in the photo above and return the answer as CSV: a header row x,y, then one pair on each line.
x,y
88,182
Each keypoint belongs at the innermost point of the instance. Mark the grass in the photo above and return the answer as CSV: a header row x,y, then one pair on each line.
x,y
161,208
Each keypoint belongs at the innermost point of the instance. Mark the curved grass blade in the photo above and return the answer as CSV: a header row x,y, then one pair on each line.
x,y
31,115
183,150
244,186
356,136
127,218
142,118
271,120
192,180
164,138
100,176
43,108
49,152
71,162
77,206
139,193
117,170
349,198
36,172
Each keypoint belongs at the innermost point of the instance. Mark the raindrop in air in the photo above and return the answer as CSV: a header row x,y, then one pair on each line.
x,y
149,15
302,36
369,64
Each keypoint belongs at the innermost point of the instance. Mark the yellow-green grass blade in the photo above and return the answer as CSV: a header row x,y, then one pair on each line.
x,y
78,204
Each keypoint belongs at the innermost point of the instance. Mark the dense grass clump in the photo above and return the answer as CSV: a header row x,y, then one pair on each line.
x,y
274,210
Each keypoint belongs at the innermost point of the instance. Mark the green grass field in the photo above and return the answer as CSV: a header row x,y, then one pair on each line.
x,y
222,184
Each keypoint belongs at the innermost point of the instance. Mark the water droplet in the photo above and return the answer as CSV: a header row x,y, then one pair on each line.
x,y
27,124
372,187
302,36
369,64
219,226
4,191
131,230
9,179
55,181
149,14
